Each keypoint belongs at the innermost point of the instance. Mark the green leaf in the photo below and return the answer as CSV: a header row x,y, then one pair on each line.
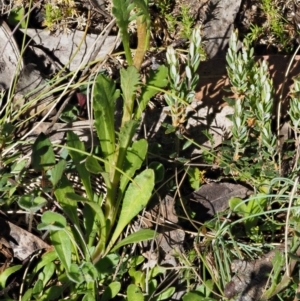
x,y
84,175
130,80
52,221
57,171
62,245
38,288
42,155
8,272
166,294
254,206
47,273
89,271
90,225
134,293
152,285
45,260
138,277
158,270
71,111
106,266
194,177
16,15
187,144
141,235
53,293
134,159
74,274
76,197
27,296
68,205
102,231
238,205
121,10
111,291
159,79
47,227
192,296
19,166
92,165
137,260
143,6
31,203
88,297
50,217
278,260
105,95
136,198
159,171
126,134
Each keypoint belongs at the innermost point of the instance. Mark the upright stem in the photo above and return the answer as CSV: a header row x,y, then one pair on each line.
x,y
143,35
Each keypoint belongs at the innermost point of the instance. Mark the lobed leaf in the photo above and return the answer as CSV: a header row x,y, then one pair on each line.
x,y
62,245
159,79
57,171
194,177
135,157
136,198
52,221
105,95
141,235
84,175
111,291
42,155
130,80
68,205
134,293
126,135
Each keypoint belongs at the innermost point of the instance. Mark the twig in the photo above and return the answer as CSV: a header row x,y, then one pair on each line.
x,y
9,287
97,7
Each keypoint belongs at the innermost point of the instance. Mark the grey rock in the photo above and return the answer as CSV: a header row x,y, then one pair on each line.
x,y
213,198
218,25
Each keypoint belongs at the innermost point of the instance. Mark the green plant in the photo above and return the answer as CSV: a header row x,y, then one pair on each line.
x,y
255,33
182,86
92,239
89,241
252,226
250,211
275,22
121,158
125,12
181,24
251,155
274,31
59,13
186,22
254,143
16,15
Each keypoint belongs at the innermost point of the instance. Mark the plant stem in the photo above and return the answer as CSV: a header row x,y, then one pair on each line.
x,y
143,35
125,42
